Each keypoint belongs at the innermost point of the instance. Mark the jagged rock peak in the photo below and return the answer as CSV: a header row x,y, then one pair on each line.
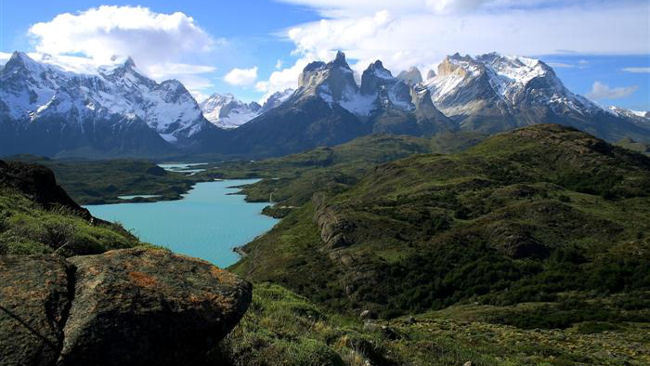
x,y
20,60
374,77
411,76
332,81
129,63
339,60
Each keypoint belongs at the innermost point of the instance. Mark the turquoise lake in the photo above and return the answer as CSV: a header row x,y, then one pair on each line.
x,y
207,223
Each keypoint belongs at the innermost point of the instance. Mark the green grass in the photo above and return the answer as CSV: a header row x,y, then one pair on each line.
x,y
28,228
283,328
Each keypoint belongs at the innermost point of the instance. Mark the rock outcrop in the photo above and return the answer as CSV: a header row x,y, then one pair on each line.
x,y
335,229
123,307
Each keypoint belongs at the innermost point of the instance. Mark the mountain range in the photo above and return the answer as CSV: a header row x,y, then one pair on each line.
x,y
226,111
118,111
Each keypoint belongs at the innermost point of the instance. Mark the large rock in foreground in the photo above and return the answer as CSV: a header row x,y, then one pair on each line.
x,y
34,300
123,307
149,307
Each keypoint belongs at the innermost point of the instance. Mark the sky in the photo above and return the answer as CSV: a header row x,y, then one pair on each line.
x,y
600,49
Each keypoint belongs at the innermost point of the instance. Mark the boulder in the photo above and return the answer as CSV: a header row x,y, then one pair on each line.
x,y
123,307
149,307
34,301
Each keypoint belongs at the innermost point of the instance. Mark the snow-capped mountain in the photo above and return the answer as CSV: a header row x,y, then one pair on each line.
x,y
386,90
276,99
226,111
328,107
38,99
640,117
334,83
492,93
116,110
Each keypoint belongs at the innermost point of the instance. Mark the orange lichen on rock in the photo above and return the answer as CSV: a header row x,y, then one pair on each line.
x,y
142,279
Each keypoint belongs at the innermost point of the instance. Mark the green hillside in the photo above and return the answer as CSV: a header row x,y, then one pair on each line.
x,y
524,216
291,181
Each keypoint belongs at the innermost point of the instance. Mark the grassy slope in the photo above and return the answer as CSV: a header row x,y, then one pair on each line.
x,y
630,144
291,181
283,328
524,216
27,228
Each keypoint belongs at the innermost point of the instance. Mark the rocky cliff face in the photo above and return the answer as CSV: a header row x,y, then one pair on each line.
x,y
332,81
123,307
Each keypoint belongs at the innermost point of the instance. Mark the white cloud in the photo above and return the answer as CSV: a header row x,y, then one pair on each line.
x,y
601,91
4,57
160,70
561,65
241,76
163,45
105,31
454,6
278,64
422,32
638,70
282,79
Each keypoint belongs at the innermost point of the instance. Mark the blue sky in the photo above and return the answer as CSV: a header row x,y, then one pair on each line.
x,y
251,48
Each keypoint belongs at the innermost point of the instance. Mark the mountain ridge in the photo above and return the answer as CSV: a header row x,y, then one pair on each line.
x,y
117,111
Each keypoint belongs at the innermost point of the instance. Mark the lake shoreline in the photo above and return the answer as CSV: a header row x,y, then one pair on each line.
x,y
208,222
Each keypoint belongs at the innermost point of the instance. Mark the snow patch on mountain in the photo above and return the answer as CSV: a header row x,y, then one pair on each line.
x,y
641,118
226,111
512,79
31,90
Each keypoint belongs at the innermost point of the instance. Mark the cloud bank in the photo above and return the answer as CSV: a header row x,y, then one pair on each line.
x,y
637,70
162,45
421,32
241,77
600,91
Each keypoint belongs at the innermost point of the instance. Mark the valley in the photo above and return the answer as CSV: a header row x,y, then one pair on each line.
x,y
499,250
